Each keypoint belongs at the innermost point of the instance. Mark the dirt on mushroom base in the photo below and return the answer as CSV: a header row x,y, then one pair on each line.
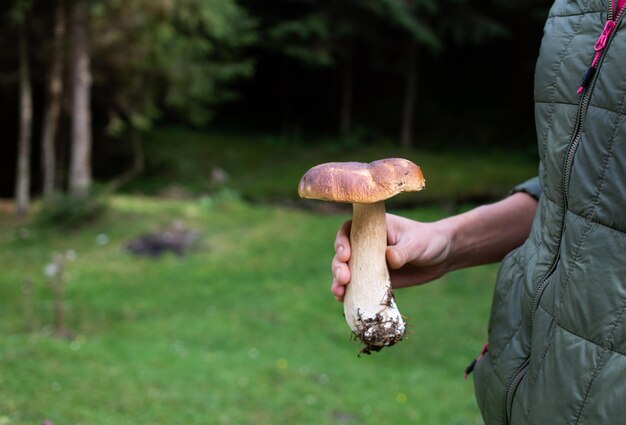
x,y
377,332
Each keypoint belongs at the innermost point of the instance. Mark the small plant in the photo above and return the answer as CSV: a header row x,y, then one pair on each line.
x,y
29,301
222,196
67,211
56,277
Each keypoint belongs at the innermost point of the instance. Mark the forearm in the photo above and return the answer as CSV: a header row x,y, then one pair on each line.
x,y
422,252
487,233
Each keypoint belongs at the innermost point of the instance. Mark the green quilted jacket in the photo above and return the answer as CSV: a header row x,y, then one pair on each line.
x,y
557,331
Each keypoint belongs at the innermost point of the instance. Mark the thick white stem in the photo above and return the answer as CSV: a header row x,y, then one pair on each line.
x,y
369,305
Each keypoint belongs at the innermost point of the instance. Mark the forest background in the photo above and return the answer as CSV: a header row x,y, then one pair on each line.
x,y
80,80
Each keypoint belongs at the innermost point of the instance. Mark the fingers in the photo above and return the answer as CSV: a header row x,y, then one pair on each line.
x,y
341,275
403,247
396,257
342,242
340,269
338,291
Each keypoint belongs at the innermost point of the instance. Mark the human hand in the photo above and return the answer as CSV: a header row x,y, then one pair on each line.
x,y
416,253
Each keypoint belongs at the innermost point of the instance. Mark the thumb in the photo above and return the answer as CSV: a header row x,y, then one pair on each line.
x,y
396,256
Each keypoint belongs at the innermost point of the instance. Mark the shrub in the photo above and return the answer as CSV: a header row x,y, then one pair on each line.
x,y
62,210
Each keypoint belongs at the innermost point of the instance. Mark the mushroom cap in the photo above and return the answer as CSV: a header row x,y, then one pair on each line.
x,y
358,182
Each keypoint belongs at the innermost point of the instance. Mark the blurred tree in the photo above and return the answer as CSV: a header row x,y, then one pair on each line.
x,y
326,33
80,177
426,27
148,57
162,56
307,38
155,56
320,33
414,19
19,17
54,93
298,30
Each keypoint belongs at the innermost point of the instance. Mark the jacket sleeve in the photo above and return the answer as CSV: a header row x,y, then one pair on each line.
x,y
531,187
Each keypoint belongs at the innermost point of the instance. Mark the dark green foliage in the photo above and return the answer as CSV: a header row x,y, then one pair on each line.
x,y
415,17
316,31
307,39
68,212
19,11
178,57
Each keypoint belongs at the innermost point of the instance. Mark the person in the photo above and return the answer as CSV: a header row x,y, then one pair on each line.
x,y
557,329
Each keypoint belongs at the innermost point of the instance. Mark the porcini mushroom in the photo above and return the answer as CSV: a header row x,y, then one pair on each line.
x,y
369,305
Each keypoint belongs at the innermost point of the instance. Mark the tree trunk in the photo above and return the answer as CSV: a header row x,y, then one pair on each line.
x,y
406,132
22,180
80,162
347,94
53,105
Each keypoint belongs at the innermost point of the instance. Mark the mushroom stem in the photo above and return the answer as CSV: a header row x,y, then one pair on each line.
x,y
369,305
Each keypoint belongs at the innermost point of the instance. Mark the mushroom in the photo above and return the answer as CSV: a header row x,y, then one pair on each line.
x,y
369,305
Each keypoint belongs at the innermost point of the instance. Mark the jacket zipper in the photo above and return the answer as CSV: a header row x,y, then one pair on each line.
x,y
609,27
512,388
588,78
599,47
573,146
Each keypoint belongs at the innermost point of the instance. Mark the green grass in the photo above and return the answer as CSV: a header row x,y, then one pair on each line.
x,y
242,331
265,168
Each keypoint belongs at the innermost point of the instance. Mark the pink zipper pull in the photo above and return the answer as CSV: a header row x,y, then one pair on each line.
x,y
598,47
606,32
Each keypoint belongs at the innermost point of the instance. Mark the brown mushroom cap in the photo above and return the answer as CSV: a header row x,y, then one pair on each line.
x,y
357,182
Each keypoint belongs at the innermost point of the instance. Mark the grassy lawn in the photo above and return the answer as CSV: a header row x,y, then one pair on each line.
x,y
241,331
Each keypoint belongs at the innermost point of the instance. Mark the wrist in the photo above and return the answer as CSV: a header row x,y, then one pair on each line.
x,y
448,228
487,233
